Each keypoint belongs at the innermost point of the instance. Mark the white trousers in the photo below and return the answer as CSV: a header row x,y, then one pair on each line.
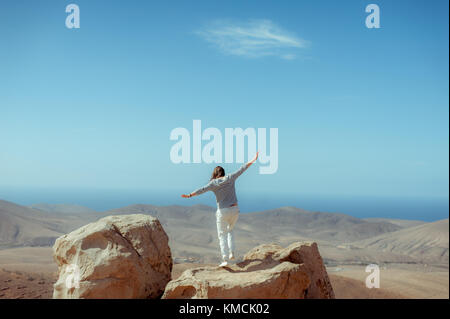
x,y
226,218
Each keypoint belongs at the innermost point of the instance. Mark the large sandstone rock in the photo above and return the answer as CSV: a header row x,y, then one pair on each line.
x,y
267,271
124,256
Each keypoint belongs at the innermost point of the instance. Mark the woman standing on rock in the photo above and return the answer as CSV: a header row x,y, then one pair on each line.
x,y
227,208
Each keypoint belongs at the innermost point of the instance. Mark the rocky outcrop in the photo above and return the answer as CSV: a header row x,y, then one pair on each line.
x,y
267,271
124,256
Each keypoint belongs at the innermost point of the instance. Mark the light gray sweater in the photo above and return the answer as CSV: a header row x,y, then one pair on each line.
x,y
223,188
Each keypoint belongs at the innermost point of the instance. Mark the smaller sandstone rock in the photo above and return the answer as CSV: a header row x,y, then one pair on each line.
x,y
268,271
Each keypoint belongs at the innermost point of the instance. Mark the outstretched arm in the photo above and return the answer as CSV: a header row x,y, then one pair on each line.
x,y
253,160
244,167
199,191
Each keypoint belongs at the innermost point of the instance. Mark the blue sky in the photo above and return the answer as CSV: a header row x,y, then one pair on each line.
x,y
360,111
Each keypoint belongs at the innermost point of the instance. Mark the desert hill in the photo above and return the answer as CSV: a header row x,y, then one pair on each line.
x,y
320,226
428,242
24,226
403,223
69,209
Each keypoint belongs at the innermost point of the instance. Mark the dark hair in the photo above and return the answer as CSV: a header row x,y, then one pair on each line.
x,y
217,172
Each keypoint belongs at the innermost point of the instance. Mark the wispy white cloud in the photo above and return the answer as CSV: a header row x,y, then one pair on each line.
x,y
255,38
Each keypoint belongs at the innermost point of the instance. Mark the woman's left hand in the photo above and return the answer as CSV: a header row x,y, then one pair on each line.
x,y
253,160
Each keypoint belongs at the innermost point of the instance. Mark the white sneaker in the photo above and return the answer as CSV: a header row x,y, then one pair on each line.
x,y
231,257
223,264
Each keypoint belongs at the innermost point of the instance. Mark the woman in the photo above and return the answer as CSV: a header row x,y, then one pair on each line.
x,y
227,208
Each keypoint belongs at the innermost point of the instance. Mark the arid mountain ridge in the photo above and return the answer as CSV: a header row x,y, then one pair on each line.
x,y
192,231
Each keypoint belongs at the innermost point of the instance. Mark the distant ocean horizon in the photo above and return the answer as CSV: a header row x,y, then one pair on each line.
x,y
425,209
